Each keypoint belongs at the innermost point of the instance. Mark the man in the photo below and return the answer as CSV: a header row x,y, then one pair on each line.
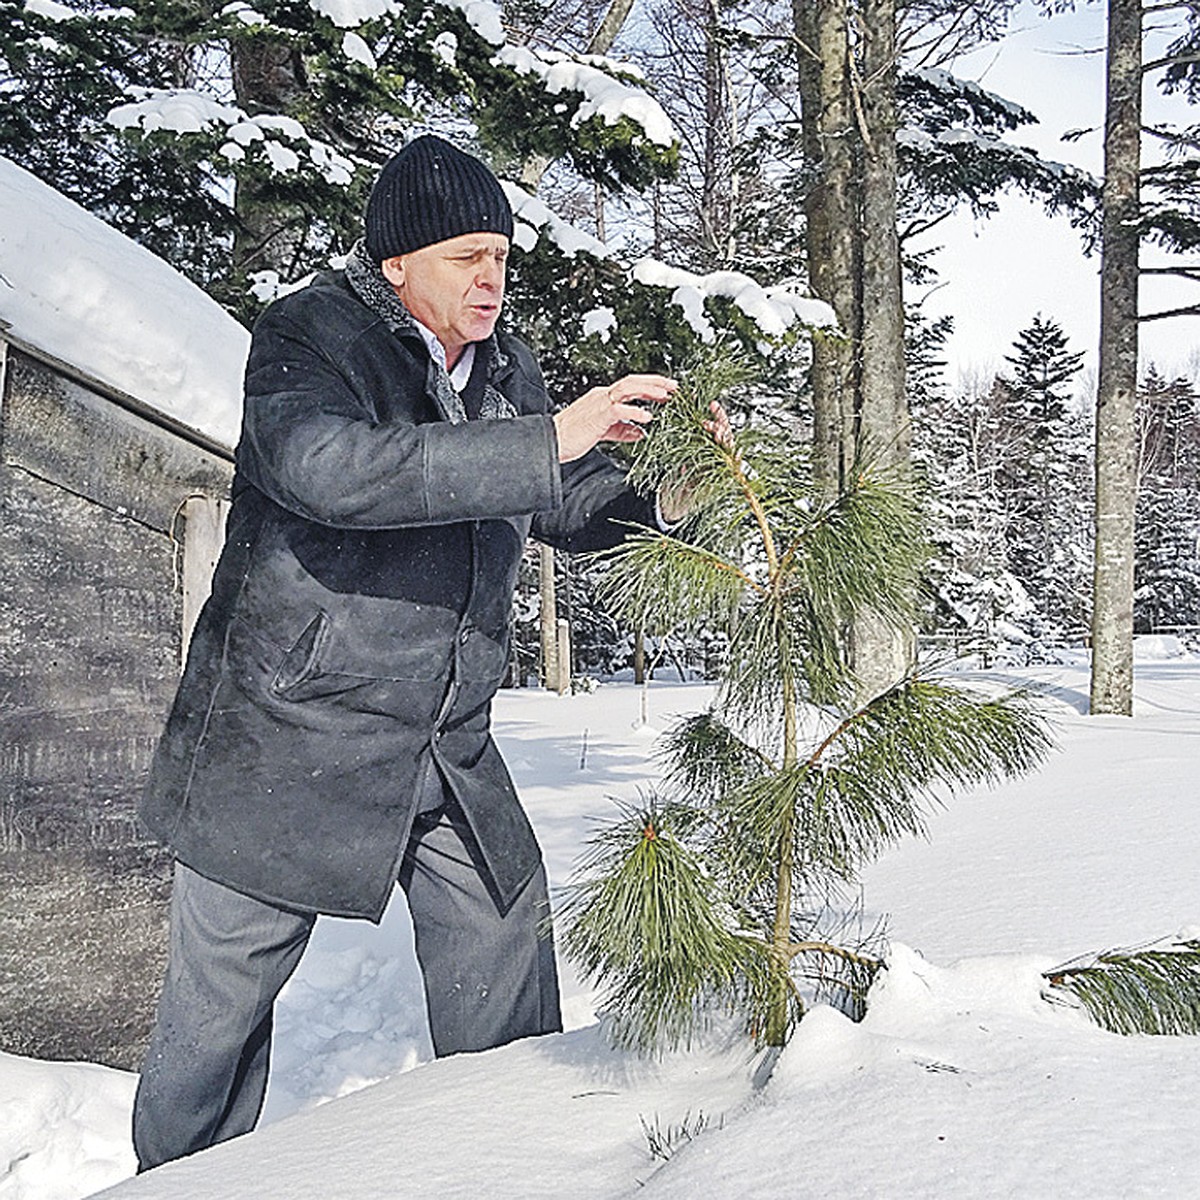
x,y
330,737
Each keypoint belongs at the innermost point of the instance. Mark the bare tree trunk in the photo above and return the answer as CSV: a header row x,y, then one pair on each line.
x,y
268,76
610,25
1116,441
548,617
714,111
881,653
848,96
831,220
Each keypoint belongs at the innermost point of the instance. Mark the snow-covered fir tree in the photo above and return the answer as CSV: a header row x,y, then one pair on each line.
x,y
1167,543
1043,477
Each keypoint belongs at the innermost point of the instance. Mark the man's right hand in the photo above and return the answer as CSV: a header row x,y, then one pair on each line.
x,y
606,414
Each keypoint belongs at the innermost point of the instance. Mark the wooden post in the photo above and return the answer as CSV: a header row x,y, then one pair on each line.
x,y
548,617
203,536
562,683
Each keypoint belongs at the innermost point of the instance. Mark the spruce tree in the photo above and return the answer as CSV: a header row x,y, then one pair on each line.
x,y
711,891
1044,480
1167,536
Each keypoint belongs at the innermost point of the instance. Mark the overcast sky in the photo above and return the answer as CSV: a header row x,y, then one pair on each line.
x,y
998,274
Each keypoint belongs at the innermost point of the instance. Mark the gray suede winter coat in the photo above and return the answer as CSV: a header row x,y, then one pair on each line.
x,y
359,620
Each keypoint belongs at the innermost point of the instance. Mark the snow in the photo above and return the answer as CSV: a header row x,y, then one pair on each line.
x,y
604,95
533,217
51,10
73,288
445,47
961,1081
244,13
355,48
773,309
600,321
183,110
484,17
345,14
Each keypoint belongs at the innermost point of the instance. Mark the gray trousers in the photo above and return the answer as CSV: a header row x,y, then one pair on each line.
x,y
489,978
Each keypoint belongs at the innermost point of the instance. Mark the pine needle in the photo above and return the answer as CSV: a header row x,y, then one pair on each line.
x,y
1151,990
644,917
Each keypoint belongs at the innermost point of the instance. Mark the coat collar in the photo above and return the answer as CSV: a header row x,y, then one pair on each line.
x,y
368,284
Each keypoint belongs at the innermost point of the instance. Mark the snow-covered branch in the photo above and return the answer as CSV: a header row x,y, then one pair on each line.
x,y
282,140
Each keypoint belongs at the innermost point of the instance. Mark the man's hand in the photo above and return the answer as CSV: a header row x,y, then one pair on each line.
x,y
605,414
675,501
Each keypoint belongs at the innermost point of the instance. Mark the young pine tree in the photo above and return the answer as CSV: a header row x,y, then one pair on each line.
x,y
704,895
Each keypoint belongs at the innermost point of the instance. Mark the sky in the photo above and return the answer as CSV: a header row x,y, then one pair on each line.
x,y
998,274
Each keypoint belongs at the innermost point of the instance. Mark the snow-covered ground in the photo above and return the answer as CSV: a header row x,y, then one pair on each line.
x,y
961,1082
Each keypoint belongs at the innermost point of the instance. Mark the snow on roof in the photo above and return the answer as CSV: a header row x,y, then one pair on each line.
x,y
73,288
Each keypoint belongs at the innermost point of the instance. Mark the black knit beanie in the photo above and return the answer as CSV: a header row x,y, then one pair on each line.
x,y
429,192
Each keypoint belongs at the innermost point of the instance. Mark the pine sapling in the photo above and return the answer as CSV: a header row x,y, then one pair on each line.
x,y
709,896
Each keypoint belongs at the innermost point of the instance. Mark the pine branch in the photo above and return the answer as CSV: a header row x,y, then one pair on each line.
x,y
924,733
644,917
865,550
769,637
678,445
656,581
873,776
1154,990
706,759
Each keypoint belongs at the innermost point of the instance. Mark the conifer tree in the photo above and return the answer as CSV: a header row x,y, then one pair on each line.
x,y
711,891
1044,477
1167,536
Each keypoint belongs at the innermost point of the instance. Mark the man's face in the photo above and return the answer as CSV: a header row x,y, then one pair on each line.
x,y
455,287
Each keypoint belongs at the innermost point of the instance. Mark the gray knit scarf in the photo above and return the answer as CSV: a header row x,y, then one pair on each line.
x,y
365,277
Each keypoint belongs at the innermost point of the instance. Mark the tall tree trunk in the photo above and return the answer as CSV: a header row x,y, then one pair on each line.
x,y
714,112
268,76
848,96
831,220
610,25
881,653
548,618
1116,442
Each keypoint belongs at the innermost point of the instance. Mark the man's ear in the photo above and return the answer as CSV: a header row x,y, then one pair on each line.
x,y
393,270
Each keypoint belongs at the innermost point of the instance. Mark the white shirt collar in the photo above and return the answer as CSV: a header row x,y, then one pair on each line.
x,y
462,368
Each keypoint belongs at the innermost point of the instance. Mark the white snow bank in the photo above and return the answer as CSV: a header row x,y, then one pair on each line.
x,y
76,289
961,1082
1158,647
549,1117
64,1128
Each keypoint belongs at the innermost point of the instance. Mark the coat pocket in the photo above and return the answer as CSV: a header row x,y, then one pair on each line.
x,y
301,662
